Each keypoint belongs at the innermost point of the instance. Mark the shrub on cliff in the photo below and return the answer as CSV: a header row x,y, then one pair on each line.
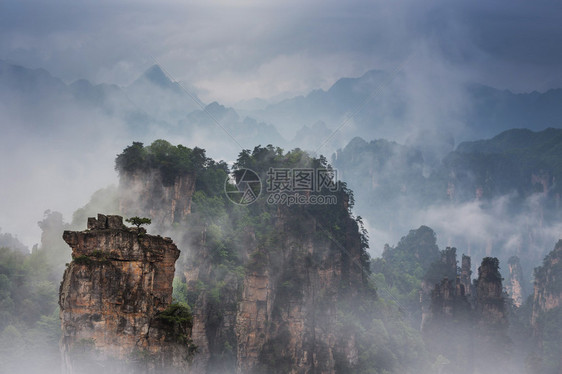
x,y
177,317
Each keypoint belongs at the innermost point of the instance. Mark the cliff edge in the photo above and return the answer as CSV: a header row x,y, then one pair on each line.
x,y
115,301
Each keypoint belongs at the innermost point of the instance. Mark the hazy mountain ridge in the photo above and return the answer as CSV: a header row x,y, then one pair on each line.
x,y
498,110
514,140
527,161
506,187
377,100
364,102
149,107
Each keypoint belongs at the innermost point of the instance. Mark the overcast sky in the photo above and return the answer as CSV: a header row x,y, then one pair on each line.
x,y
235,50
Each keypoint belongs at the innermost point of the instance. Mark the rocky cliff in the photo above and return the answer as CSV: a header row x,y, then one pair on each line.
x,y
490,303
548,284
281,315
466,323
466,275
144,192
269,285
514,284
492,343
547,312
115,301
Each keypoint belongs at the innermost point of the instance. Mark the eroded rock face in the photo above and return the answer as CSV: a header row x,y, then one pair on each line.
x,y
490,303
466,275
145,193
466,323
547,313
286,321
278,312
548,280
281,316
111,295
514,286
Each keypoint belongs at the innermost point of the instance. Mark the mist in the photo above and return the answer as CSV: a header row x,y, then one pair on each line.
x,y
428,52
389,93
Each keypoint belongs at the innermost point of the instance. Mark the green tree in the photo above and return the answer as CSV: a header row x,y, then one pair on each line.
x,y
133,158
139,221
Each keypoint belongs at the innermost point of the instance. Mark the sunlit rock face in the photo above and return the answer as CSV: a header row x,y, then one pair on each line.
x,y
112,292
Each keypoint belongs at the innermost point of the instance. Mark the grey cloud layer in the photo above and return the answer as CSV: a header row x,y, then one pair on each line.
x,y
235,52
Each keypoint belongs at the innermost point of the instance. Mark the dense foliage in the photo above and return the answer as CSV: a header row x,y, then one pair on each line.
x,y
171,161
401,269
178,319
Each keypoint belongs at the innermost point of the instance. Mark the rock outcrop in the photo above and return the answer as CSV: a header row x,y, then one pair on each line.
x,y
548,284
514,284
145,193
490,303
267,293
466,275
448,316
466,323
492,343
281,316
115,298
547,313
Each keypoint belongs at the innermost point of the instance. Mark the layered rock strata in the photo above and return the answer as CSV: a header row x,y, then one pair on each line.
x,y
111,299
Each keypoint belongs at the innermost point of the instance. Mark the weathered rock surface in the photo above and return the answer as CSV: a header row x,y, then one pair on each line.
x,y
466,275
111,295
466,323
514,284
277,311
547,313
281,317
548,284
490,303
144,193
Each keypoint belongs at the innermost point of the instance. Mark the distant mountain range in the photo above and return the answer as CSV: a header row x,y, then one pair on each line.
x,y
383,106
499,196
151,107
375,105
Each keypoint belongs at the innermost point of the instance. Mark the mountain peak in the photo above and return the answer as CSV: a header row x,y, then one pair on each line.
x,y
156,75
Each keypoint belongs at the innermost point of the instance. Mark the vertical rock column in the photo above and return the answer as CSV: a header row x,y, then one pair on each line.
x,y
492,344
111,296
514,286
466,275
